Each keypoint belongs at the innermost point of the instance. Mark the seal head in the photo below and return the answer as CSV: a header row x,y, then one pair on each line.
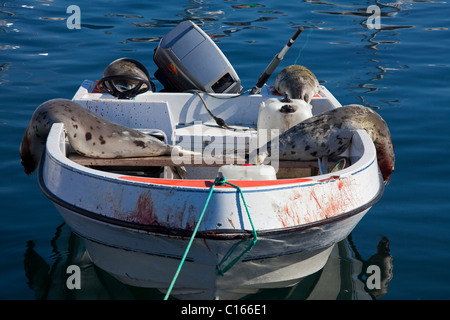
x,y
298,82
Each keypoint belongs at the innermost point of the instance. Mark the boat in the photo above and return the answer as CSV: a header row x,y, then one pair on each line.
x,y
232,225
137,227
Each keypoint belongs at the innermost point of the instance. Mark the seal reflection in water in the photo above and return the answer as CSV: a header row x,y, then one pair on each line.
x,y
89,135
384,261
330,133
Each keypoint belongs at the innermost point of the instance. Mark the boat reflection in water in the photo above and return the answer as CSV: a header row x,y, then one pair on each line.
x,y
345,276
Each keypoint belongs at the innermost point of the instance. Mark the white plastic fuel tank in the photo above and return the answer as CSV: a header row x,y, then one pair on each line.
x,y
280,114
248,172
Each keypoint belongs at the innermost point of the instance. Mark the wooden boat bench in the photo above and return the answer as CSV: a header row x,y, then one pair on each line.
x,y
210,161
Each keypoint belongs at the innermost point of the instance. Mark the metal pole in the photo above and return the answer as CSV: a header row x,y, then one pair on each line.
x,y
274,63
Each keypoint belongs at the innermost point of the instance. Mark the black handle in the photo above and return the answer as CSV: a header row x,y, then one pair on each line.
x,y
297,33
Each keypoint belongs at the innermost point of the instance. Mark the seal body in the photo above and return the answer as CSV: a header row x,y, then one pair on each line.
x,y
298,82
330,133
88,134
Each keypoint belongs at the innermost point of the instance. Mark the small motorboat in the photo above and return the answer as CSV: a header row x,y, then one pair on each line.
x,y
232,224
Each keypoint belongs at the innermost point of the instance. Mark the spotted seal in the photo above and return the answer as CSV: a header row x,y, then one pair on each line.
x,y
330,133
88,134
298,82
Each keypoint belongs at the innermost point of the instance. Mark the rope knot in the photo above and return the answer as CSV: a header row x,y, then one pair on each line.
x,y
220,180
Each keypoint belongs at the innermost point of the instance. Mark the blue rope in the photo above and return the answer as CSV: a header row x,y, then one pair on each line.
x,y
218,181
190,241
220,271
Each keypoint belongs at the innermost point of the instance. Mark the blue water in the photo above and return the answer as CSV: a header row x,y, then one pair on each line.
x,y
401,69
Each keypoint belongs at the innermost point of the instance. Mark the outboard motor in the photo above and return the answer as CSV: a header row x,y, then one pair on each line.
x,y
187,59
125,78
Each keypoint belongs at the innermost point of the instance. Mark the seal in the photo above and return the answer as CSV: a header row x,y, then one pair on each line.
x,y
88,134
330,133
298,82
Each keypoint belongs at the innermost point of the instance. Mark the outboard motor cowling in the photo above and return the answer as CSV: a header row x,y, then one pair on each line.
x,y
187,59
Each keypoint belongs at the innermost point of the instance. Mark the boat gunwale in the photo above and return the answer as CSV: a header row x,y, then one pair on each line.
x,y
55,153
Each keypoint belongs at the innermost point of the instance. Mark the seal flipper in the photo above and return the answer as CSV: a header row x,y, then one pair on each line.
x,y
179,172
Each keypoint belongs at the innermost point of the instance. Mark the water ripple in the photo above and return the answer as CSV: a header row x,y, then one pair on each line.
x,y
149,39
128,16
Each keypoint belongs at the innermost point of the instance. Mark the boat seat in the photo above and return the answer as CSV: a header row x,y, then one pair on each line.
x,y
212,161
